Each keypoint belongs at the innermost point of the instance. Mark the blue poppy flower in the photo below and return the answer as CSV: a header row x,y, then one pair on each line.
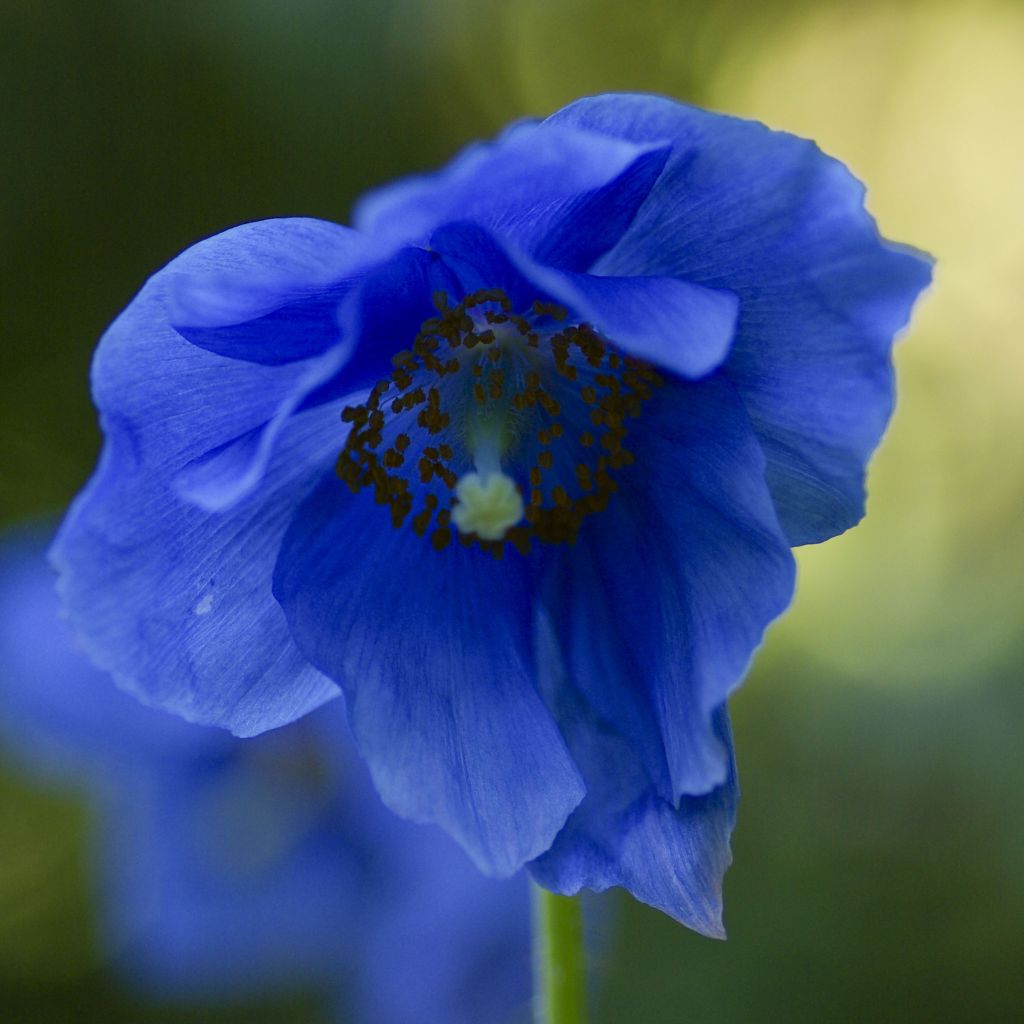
x,y
516,463
230,868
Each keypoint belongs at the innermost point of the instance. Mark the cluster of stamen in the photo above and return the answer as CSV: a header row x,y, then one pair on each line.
x,y
518,368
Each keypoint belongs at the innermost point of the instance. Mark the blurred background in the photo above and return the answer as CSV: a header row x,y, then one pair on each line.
x,y
879,871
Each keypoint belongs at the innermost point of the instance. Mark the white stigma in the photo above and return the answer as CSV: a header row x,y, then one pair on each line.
x,y
487,505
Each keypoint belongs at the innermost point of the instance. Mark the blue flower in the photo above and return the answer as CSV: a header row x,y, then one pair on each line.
x,y
516,463
234,867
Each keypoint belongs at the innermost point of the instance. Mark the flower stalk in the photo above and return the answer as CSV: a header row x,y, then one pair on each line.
x,y
560,995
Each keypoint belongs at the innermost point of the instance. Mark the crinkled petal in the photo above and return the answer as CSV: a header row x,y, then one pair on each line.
x,y
683,327
770,217
561,195
433,651
672,857
176,602
668,593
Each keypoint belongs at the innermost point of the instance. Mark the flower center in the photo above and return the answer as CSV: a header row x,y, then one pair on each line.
x,y
497,427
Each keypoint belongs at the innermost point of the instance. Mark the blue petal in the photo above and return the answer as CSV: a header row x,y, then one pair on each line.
x,y
296,330
669,591
59,713
681,326
561,195
769,217
175,408
583,231
672,323
672,857
433,651
267,291
176,602
223,476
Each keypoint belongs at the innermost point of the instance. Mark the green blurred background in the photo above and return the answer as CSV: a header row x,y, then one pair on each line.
x,y
879,870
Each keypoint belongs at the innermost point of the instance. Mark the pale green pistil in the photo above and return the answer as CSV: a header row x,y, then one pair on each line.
x,y
487,506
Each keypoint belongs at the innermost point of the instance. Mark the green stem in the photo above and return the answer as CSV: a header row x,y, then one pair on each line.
x,y
560,990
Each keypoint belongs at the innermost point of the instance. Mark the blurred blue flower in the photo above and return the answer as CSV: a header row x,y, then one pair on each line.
x,y
235,867
594,379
